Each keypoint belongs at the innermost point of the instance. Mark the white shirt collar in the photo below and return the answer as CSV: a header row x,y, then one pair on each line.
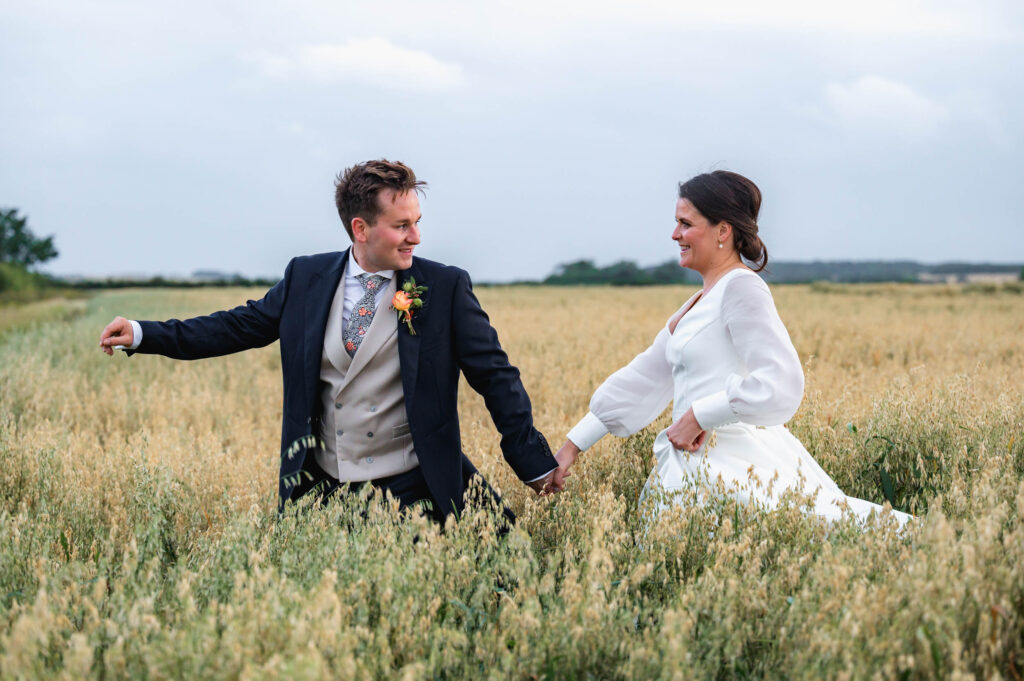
x,y
354,270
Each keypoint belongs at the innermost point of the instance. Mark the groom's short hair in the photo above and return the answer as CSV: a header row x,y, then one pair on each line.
x,y
357,188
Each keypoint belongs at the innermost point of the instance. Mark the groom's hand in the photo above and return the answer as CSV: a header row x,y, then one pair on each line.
x,y
540,486
117,332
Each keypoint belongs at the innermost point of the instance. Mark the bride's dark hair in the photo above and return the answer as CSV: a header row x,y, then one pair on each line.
x,y
724,196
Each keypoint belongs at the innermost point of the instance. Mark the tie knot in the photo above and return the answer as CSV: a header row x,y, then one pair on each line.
x,y
370,282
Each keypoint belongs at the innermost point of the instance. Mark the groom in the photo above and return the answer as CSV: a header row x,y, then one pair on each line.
x,y
370,395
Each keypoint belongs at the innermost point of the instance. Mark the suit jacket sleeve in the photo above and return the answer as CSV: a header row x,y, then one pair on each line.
x,y
486,367
253,325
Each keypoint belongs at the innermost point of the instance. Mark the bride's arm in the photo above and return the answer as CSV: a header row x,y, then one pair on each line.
x,y
629,399
772,389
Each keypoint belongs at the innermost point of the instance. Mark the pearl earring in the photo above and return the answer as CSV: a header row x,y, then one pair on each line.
x,y
720,245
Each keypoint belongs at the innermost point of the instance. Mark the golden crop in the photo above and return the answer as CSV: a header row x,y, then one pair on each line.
x,y
139,536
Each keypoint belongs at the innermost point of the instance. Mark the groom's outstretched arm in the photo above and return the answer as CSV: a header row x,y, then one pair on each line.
x,y
253,325
487,369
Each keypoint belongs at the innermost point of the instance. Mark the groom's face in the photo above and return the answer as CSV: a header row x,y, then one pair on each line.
x,y
388,243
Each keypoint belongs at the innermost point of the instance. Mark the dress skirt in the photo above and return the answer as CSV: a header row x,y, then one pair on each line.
x,y
755,465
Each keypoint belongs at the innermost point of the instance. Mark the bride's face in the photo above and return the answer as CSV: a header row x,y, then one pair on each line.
x,y
697,238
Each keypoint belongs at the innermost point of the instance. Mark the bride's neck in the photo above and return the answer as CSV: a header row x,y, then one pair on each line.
x,y
716,272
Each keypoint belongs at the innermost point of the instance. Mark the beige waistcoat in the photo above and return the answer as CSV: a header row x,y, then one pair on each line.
x,y
364,428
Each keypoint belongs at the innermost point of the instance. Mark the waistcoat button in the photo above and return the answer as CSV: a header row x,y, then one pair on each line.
x,y
370,434
340,431
337,405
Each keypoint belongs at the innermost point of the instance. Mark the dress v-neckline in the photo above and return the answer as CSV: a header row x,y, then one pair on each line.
x,y
701,295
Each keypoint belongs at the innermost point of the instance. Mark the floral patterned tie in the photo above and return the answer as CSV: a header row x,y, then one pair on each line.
x,y
362,313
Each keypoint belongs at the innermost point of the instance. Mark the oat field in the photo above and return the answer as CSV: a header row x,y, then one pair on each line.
x,y
139,537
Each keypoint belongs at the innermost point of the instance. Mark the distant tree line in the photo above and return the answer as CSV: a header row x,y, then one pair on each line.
x,y
622,273
628,273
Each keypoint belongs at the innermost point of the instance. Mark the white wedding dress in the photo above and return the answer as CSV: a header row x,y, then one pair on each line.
x,y
730,358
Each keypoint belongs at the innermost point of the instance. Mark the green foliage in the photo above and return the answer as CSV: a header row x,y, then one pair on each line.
x,y
15,277
19,251
18,245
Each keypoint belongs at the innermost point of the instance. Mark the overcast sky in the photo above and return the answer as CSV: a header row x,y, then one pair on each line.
x,y
169,137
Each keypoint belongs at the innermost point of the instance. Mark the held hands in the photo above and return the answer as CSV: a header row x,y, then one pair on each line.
x,y
686,433
554,481
117,332
566,457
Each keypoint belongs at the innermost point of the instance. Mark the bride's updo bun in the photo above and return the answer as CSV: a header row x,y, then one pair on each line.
x,y
724,196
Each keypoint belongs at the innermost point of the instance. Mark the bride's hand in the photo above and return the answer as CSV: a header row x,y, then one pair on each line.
x,y
686,433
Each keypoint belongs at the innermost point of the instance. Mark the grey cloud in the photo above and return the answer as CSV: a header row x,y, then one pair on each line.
x,y
145,144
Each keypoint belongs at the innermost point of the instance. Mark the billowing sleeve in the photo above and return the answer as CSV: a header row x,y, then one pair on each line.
x,y
770,391
630,398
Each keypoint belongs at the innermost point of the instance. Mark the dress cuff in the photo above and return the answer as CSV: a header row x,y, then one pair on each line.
x,y
587,432
713,411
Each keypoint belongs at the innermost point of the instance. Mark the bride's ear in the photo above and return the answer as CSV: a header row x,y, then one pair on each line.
x,y
724,232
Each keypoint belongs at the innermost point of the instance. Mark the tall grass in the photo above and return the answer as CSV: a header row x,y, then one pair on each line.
x,y
139,538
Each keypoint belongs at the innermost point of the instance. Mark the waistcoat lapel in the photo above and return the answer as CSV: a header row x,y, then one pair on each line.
x,y
334,343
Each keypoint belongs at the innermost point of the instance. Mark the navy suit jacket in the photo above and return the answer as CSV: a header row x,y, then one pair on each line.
x,y
453,335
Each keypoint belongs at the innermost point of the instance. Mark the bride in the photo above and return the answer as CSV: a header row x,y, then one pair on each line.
x,y
726,362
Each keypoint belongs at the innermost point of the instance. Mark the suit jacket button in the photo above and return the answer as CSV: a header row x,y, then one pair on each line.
x,y
370,434
337,405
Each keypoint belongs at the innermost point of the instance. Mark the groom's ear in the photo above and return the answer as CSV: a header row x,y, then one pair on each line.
x,y
359,228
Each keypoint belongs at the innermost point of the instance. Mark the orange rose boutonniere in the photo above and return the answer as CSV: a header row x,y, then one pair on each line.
x,y
407,300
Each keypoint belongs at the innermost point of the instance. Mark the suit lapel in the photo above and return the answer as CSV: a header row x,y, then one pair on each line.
x,y
317,305
408,344
383,327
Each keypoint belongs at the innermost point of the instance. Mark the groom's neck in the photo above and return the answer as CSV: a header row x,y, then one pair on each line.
x,y
364,261
360,258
